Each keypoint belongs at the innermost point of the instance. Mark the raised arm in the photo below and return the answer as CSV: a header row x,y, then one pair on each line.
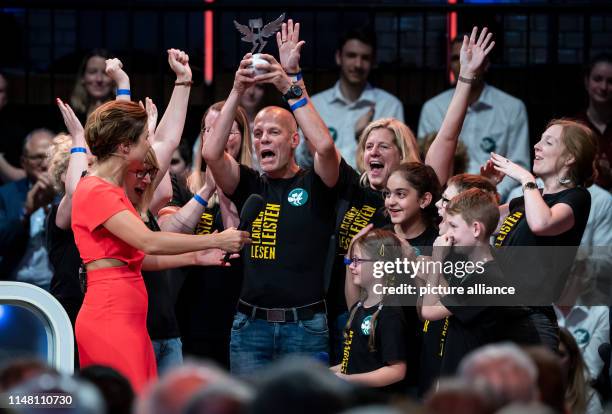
x,y
472,58
170,129
114,69
129,228
77,163
224,167
326,156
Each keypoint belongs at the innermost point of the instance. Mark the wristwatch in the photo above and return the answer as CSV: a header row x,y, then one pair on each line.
x,y
530,186
294,92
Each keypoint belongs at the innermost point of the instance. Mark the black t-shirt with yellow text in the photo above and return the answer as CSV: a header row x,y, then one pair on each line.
x,y
390,342
358,206
284,266
206,301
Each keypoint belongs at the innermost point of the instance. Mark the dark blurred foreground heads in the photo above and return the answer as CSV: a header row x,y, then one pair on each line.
x,y
300,386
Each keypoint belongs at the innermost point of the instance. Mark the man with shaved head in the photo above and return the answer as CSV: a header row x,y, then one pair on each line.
x,y
281,308
23,209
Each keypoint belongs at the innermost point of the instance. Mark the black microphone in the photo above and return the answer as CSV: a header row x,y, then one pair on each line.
x,y
250,210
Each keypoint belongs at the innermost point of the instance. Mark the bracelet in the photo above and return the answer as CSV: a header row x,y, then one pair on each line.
x,y
123,92
200,200
74,150
296,76
184,83
530,185
469,81
299,104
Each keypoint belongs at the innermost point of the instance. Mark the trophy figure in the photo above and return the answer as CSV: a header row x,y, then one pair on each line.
x,y
255,34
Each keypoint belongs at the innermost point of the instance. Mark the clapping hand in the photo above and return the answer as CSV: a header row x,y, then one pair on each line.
x,y
73,125
41,193
179,63
473,53
151,117
489,172
289,46
511,169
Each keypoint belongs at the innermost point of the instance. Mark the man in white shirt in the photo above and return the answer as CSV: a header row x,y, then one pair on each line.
x,y
352,103
495,122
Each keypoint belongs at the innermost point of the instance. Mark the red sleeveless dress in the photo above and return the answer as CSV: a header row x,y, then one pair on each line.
x,y
111,327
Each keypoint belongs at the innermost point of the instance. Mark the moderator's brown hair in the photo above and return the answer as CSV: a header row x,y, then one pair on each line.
x,y
114,123
579,142
476,205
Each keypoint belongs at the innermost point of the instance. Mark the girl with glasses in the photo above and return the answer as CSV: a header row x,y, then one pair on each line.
x,y
375,335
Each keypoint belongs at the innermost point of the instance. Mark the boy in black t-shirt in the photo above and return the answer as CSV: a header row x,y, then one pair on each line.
x,y
281,308
471,217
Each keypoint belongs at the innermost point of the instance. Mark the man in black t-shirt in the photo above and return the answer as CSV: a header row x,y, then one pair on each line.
x,y
281,309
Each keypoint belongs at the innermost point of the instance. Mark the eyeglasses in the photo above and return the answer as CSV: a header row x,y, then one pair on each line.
x,y
357,260
140,174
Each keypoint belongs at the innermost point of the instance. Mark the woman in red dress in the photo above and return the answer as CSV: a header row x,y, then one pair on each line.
x,y
112,241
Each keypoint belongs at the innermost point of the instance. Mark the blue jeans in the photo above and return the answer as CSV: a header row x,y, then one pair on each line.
x,y
255,342
168,354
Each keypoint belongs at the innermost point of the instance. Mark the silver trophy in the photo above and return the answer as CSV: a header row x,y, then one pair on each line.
x,y
254,33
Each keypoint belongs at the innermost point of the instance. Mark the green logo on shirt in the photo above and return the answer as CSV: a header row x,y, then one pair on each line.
x,y
582,336
297,197
334,133
487,144
366,324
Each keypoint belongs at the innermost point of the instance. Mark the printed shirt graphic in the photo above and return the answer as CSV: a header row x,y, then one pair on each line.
x,y
391,340
284,266
359,206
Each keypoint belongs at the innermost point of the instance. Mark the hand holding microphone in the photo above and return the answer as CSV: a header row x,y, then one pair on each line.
x,y
251,209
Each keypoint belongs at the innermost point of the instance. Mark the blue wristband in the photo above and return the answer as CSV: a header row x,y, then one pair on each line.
x,y
123,92
200,200
298,104
78,149
296,77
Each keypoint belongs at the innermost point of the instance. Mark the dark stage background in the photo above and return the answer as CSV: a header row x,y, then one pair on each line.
x,y
541,47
